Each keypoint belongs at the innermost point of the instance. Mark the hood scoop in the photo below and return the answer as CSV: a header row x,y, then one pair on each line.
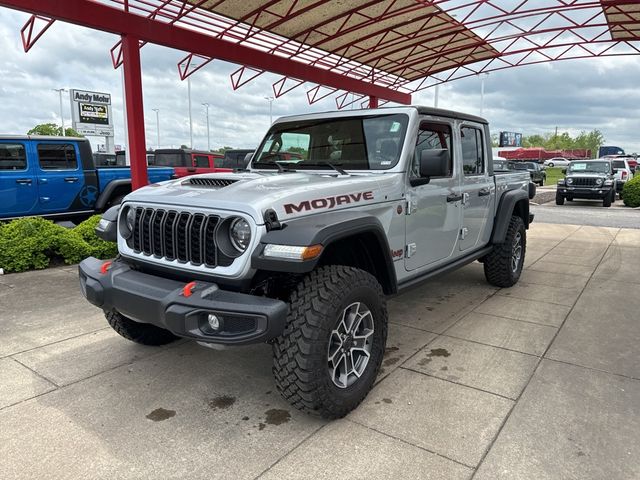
x,y
209,182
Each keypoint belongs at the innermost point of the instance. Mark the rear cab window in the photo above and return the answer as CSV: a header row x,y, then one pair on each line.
x,y
13,157
201,161
57,156
472,145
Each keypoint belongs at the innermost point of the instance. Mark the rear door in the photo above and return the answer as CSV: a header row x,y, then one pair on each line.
x,y
477,186
60,175
434,209
18,187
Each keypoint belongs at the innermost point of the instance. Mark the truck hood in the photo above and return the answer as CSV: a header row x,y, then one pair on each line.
x,y
586,174
290,194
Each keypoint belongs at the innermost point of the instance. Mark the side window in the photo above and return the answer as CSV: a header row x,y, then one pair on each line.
x,y
472,151
57,156
201,161
12,157
432,136
218,162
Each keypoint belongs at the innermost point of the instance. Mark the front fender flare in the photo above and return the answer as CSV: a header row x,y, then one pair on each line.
x,y
325,229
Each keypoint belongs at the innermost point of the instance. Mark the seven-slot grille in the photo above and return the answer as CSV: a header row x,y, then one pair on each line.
x,y
187,237
584,182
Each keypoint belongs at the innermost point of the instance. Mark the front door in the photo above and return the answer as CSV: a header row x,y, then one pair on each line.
x,y
477,186
18,187
60,176
433,211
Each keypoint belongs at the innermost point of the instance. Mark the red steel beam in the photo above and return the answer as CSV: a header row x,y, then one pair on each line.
x,y
135,111
101,17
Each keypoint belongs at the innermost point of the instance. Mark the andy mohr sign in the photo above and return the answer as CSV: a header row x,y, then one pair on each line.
x,y
91,113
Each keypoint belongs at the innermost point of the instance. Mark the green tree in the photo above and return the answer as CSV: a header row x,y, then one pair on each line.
x,y
591,141
53,130
223,149
533,141
585,140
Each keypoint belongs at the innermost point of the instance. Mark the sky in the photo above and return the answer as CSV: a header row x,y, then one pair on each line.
x,y
572,95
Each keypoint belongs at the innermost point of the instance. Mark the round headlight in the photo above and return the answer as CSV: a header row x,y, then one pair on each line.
x,y
131,218
599,181
240,234
569,181
127,222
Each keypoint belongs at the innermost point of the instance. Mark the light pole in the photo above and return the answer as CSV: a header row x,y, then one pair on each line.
x,y
435,96
206,105
190,118
157,110
270,100
482,77
60,90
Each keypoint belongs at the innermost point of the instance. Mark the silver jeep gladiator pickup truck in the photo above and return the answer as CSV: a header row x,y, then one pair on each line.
x,y
336,211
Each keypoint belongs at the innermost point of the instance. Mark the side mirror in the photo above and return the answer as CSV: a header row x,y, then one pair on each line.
x,y
434,163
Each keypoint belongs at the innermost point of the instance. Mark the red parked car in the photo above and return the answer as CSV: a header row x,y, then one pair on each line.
x,y
189,162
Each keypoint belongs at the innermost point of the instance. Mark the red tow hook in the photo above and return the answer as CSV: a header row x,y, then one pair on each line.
x,y
187,291
105,266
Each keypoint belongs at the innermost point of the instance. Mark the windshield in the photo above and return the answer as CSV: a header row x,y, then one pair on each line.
x,y
590,167
356,143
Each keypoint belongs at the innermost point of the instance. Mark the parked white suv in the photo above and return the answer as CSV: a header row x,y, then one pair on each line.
x,y
623,173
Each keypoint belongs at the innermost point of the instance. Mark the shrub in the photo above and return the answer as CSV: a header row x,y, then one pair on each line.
x,y
29,243
99,248
631,192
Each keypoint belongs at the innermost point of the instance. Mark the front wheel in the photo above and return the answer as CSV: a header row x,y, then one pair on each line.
x,y
542,182
559,199
606,201
328,357
551,164
503,266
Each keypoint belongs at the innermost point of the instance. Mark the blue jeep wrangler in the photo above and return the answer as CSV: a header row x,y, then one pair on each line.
x,y
57,177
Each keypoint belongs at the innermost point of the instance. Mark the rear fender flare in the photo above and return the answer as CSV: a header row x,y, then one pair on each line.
x,y
107,193
510,202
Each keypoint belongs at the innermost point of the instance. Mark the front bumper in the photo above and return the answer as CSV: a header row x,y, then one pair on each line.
x,y
145,298
584,192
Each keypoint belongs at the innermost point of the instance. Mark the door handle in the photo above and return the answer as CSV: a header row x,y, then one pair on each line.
x,y
453,198
70,179
483,192
24,181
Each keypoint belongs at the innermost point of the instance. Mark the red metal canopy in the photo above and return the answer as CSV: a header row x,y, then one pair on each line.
x,y
383,50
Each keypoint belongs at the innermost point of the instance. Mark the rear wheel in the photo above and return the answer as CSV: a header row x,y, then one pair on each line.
x,y
328,357
559,199
551,164
142,333
503,266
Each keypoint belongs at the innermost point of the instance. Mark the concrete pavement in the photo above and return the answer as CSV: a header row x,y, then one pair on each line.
x,y
538,381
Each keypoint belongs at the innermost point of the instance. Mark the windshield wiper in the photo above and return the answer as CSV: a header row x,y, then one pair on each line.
x,y
335,166
281,168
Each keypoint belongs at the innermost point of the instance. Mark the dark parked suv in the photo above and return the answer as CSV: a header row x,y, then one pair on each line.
x,y
538,175
592,179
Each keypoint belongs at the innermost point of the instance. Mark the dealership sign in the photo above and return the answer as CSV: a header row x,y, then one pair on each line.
x,y
91,113
510,139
